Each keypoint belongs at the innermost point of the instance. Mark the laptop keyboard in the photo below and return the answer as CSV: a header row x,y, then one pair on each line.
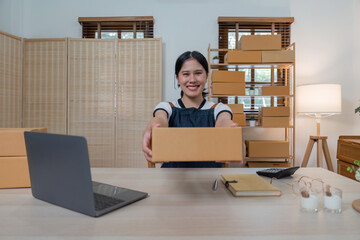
x,y
102,201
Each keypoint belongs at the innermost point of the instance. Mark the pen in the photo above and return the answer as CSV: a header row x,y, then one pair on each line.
x,y
215,185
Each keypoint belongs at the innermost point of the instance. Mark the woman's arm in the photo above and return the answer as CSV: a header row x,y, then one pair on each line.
x,y
224,120
160,120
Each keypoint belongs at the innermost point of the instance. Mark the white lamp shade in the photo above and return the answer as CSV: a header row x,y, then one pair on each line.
x,y
318,99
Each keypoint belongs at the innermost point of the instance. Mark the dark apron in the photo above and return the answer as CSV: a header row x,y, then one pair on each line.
x,y
191,117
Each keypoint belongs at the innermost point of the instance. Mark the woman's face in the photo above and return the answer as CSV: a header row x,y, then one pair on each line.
x,y
192,78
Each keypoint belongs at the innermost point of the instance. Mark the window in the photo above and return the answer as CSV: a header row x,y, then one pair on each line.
x,y
230,31
117,27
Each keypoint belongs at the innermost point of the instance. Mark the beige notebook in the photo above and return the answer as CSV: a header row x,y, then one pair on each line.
x,y
249,185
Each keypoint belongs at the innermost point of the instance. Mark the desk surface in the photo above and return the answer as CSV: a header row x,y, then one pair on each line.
x,y
181,205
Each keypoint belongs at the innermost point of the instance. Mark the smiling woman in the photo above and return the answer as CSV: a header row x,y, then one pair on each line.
x,y
192,109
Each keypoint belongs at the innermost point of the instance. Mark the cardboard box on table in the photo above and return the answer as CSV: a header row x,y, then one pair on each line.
x,y
267,148
236,108
197,144
14,171
239,119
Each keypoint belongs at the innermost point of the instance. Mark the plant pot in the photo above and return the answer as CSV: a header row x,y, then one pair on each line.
x,y
252,92
252,123
215,61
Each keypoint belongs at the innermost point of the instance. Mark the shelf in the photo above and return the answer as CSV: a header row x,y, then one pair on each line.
x,y
252,96
248,158
265,127
247,66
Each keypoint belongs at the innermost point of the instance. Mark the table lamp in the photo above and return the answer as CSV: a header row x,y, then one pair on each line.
x,y
318,101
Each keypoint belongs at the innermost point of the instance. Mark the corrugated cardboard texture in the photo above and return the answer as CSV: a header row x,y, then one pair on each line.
x,y
234,89
14,172
243,57
267,148
275,90
275,111
197,144
239,118
228,76
236,108
260,42
12,143
285,56
275,121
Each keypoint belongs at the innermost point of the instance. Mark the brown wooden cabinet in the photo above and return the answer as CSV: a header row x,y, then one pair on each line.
x,y
348,150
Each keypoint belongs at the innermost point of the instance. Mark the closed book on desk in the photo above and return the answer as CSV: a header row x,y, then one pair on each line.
x,y
250,185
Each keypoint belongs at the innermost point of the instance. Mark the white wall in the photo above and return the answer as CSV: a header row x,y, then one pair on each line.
x,y
326,33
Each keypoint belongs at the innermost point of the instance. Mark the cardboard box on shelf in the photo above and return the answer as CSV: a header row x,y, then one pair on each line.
x,y
232,89
252,164
236,108
260,42
275,121
228,76
239,118
284,56
275,90
267,148
14,172
237,56
275,111
197,144
12,141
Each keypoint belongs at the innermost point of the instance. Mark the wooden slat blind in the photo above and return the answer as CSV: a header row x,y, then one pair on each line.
x,y
10,80
91,25
45,84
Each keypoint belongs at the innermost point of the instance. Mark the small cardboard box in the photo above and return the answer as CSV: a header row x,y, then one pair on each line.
x,y
14,172
237,56
275,121
197,144
228,76
236,108
239,118
275,90
285,56
232,89
260,42
12,141
267,148
268,164
275,111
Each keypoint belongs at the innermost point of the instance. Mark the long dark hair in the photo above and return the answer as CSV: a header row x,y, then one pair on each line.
x,y
186,56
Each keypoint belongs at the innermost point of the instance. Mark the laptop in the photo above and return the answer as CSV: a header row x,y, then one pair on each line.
x,y
59,170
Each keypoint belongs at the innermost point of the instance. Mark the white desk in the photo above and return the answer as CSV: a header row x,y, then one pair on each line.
x,y
181,205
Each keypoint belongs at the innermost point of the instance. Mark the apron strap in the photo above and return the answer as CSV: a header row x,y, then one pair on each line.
x,y
214,105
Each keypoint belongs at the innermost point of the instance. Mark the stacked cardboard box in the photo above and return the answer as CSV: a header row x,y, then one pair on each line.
x,y
228,83
260,49
238,114
275,116
14,171
267,148
275,90
197,144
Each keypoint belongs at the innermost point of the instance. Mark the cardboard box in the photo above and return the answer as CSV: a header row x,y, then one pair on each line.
x,y
275,90
197,144
237,56
239,118
268,164
14,172
228,76
267,148
275,121
275,111
232,89
285,56
260,42
12,141
236,108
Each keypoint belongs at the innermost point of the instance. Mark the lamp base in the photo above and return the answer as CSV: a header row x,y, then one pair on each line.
x,y
321,141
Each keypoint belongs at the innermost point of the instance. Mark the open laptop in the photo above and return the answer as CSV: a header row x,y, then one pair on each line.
x,y
59,170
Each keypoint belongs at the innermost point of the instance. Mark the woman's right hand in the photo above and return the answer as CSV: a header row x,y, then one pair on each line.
x,y
146,143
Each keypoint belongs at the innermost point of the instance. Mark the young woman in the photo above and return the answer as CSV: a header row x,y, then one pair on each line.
x,y
192,109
